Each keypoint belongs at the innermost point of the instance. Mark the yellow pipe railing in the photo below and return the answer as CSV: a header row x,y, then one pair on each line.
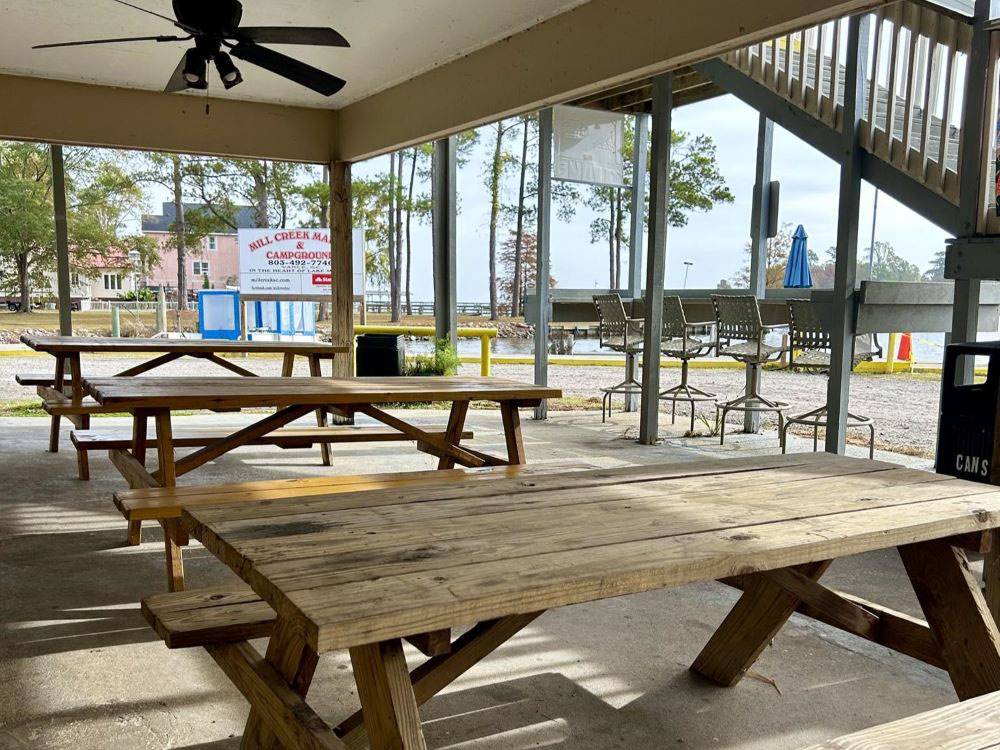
x,y
483,334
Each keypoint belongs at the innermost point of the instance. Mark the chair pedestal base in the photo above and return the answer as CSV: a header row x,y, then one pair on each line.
x,y
818,418
628,387
685,392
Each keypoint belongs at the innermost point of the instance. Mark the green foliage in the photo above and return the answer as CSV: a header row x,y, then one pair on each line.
x,y
444,361
140,295
101,194
935,271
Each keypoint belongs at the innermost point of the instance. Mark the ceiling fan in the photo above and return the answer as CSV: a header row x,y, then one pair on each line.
x,y
215,27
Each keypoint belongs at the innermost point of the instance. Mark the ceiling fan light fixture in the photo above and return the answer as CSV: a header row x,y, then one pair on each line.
x,y
195,72
228,72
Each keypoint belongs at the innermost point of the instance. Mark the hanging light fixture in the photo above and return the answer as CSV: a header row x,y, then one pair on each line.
x,y
228,72
195,73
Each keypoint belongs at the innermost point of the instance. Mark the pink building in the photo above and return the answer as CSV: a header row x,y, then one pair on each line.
x,y
216,257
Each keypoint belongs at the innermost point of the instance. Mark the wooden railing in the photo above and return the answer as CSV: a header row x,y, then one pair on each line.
x,y
914,83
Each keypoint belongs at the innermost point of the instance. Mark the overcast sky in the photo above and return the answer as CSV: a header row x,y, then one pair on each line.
x,y
714,241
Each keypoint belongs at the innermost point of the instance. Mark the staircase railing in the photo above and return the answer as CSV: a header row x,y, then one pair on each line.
x,y
914,83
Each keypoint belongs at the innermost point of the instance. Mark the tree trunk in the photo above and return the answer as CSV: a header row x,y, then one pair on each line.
x,y
180,235
409,212
515,297
611,241
260,185
399,236
323,314
618,238
23,264
495,173
391,242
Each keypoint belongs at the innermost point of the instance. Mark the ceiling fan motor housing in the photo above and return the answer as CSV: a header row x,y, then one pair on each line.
x,y
215,18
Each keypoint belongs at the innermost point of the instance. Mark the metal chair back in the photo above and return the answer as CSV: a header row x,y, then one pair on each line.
x,y
805,330
674,319
737,317
612,321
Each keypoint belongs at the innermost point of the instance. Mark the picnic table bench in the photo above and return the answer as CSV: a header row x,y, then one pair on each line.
x,y
356,572
63,394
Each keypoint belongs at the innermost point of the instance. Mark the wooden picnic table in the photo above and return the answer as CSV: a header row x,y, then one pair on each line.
x,y
358,572
155,398
67,350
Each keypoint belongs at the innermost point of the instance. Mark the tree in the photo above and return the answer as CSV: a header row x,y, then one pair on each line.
x,y
935,271
696,184
888,265
526,274
499,162
777,259
100,196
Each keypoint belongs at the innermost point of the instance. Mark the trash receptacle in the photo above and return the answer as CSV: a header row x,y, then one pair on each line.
x,y
380,355
968,444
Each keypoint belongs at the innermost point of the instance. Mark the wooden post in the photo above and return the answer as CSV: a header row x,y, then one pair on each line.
x,y
759,213
638,207
63,285
544,230
659,194
342,304
445,221
845,274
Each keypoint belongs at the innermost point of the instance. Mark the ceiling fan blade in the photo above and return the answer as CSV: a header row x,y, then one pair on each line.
x,y
290,68
317,35
113,41
174,21
177,81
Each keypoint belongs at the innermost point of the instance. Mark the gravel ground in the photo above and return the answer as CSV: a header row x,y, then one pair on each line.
x,y
904,407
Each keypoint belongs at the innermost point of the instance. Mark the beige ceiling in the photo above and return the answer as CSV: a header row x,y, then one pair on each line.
x,y
392,41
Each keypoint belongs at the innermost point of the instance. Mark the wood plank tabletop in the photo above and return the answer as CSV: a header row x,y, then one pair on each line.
x,y
358,568
65,344
200,393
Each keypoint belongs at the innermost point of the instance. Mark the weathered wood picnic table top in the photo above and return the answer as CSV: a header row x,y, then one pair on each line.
x,y
185,393
64,344
363,571
351,570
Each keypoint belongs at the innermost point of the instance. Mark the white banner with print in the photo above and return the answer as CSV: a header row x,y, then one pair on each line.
x,y
589,146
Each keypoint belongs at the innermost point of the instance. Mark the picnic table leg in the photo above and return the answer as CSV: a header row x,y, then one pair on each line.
x,y
756,618
453,435
82,461
512,432
991,573
76,377
168,478
287,365
388,704
316,371
957,614
292,658
57,384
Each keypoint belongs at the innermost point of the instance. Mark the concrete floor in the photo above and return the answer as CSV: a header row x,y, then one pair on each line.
x,y
80,669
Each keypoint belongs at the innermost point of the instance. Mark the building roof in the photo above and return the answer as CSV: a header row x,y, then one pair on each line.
x,y
245,218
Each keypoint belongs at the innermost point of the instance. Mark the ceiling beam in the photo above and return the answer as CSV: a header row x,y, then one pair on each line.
x,y
50,111
593,47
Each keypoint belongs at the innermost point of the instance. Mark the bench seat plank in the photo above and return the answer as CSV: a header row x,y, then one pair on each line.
x,y
40,378
67,407
970,725
202,617
283,437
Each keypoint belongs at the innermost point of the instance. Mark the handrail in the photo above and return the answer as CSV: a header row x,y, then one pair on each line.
x,y
483,334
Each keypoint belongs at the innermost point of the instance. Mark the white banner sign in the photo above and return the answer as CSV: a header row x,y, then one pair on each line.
x,y
589,146
290,262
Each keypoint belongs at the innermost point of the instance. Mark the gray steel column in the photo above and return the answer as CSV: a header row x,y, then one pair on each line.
x,y
845,274
972,161
543,313
659,195
759,214
444,220
637,206
63,285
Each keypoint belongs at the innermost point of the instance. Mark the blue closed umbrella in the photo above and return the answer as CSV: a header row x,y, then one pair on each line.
x,y
797,275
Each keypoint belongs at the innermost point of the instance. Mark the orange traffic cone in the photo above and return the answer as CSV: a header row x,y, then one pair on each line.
x,y
905,348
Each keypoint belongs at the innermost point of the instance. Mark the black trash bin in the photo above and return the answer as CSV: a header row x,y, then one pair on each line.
x,y
380,355
968,436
